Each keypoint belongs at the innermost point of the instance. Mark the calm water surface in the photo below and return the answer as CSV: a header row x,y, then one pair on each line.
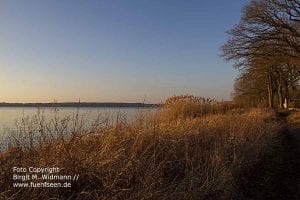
x,y
9,116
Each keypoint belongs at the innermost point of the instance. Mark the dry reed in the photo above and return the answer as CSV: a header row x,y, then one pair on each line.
x,y
157,156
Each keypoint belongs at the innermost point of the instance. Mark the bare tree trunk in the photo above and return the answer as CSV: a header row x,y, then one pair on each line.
x,y
279,90
287,95
280,96
270,91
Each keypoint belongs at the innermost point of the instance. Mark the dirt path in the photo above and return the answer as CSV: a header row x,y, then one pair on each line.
x,y
287,176
292,159
277,177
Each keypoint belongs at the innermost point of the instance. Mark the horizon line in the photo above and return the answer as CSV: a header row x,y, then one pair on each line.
x,y
79,104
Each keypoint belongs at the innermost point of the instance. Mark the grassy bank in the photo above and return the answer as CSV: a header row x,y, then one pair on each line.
x,y
191,149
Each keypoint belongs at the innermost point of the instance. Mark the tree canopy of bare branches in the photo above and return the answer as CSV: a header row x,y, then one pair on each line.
x,y
266,42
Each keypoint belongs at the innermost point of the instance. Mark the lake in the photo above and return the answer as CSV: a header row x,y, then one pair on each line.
x,y
11,116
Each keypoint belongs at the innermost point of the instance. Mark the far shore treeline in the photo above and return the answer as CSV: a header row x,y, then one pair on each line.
x,y
80,104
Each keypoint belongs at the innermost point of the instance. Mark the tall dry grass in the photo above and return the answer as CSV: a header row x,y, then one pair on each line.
x,y
189,106
157,156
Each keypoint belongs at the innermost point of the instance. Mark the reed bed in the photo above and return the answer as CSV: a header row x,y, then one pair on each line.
x,y
167,154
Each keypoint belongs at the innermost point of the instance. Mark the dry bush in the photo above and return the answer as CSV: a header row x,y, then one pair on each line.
x,y
185,106
149,158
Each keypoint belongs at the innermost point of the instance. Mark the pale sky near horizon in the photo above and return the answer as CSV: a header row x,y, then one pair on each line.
x,y
117,51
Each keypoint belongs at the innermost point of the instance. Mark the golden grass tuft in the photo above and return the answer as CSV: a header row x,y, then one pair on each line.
x,y
294,117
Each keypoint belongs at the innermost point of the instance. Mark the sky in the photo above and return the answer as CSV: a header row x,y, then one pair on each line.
x,y
115,50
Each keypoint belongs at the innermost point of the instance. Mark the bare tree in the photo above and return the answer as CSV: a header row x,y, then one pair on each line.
x,y
267,41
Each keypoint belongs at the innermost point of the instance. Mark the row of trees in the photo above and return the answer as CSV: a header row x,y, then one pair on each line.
x,y
265,47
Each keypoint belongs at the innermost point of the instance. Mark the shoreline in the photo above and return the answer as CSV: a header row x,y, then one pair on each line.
x,y
81,105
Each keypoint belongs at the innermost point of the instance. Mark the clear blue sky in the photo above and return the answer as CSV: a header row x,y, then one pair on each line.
x,y
114,50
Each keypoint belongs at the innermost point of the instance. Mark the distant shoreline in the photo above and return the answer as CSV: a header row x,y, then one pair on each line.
x,y
81,105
